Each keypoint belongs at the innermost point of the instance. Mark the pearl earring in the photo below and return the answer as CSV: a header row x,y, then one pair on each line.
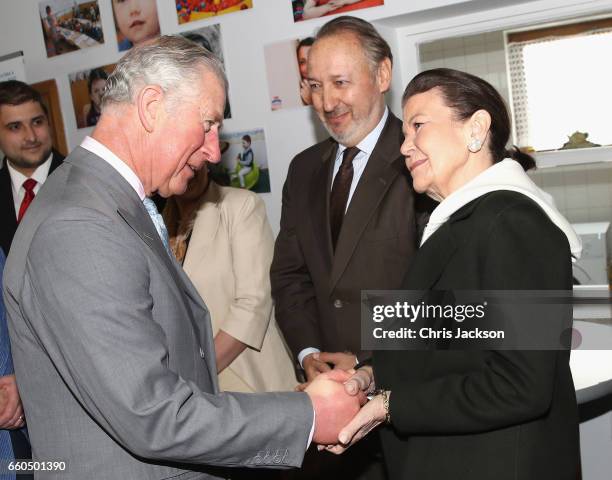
x,y
475,145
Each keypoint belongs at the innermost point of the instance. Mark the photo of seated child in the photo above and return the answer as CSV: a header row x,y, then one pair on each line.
x,y
244,161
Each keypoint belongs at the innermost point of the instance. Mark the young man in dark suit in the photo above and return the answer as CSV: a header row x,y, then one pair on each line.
x,y
25,140
349,221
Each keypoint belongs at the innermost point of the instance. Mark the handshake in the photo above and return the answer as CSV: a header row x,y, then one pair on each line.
x,y
343,414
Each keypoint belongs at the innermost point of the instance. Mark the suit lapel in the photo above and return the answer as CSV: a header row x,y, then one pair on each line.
x,y
384,165
435,254
134,214
431,260
319,202
142,224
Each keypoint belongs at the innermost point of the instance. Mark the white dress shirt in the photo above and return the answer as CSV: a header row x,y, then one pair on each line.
x,y
366,147
114,161
17,179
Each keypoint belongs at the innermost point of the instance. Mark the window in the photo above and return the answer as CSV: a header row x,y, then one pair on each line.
x,y
561,82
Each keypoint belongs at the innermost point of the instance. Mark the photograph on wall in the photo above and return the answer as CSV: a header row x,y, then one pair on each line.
x,y
210,38
12,67
286,69
309,9
87,87
244,161
193,10
136,21
70,25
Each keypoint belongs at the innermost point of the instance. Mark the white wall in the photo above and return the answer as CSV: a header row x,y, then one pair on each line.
x,y
244,35
403,23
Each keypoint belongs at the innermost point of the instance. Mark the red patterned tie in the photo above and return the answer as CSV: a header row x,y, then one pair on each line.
x,y
28,185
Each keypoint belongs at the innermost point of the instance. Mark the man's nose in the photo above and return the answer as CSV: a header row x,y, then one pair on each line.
x,y
330,101
211,148
30,134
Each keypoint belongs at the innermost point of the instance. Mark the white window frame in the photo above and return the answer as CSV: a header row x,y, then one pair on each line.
x,y
514,17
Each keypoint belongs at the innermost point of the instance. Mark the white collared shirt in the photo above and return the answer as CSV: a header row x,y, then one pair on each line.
x,y
361,160
114,161
17,178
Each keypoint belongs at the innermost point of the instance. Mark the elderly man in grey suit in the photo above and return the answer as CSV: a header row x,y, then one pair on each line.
x,y
112,345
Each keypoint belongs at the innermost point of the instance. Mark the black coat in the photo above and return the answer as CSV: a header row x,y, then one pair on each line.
x,y
475,415
8,216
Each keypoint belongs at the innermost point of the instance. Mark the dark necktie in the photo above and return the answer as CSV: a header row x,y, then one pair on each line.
x,y
28,186
340,192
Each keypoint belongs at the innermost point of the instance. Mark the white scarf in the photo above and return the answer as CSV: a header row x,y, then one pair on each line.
x,y
505,175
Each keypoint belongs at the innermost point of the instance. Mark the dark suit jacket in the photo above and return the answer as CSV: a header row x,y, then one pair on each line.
x,y
8,216
317,293
482,414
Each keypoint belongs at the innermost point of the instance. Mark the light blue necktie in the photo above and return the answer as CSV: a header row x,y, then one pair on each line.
x,y
158,221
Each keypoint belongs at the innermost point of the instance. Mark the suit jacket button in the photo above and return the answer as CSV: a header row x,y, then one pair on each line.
x,y
338,303
201,353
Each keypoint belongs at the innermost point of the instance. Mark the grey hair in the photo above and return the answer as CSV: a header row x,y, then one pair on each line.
x,y
170,61
375,47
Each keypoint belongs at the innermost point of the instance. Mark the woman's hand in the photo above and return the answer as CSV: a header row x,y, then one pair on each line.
x,y
371,415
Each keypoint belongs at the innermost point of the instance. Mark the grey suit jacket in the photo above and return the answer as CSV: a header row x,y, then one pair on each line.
x,y
113,348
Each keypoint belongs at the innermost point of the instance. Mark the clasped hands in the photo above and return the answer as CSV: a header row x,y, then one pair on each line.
x,y
343,415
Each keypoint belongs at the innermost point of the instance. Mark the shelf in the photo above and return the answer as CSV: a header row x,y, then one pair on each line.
x,y
578,156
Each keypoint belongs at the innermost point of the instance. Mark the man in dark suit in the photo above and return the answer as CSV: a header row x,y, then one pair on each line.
x,y
25,140
348,219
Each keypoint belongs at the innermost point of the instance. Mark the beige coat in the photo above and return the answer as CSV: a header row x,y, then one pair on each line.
x,y
228,260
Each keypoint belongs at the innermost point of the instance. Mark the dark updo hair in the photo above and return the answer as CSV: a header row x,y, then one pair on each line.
x,y
466,94
247,138
96,74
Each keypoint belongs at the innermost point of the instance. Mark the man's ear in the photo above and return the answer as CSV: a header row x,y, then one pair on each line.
x,y
383,75
150,103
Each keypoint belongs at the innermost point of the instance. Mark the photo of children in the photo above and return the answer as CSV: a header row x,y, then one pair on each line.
x,y
70,25
136,21
192,10
244,161
287,71
210,38
307,9
87,87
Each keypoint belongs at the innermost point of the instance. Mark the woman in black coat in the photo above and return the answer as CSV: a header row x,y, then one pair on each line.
x,y
474,414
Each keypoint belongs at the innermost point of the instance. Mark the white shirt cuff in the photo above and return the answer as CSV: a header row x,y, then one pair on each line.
x,y
314,416
306,351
